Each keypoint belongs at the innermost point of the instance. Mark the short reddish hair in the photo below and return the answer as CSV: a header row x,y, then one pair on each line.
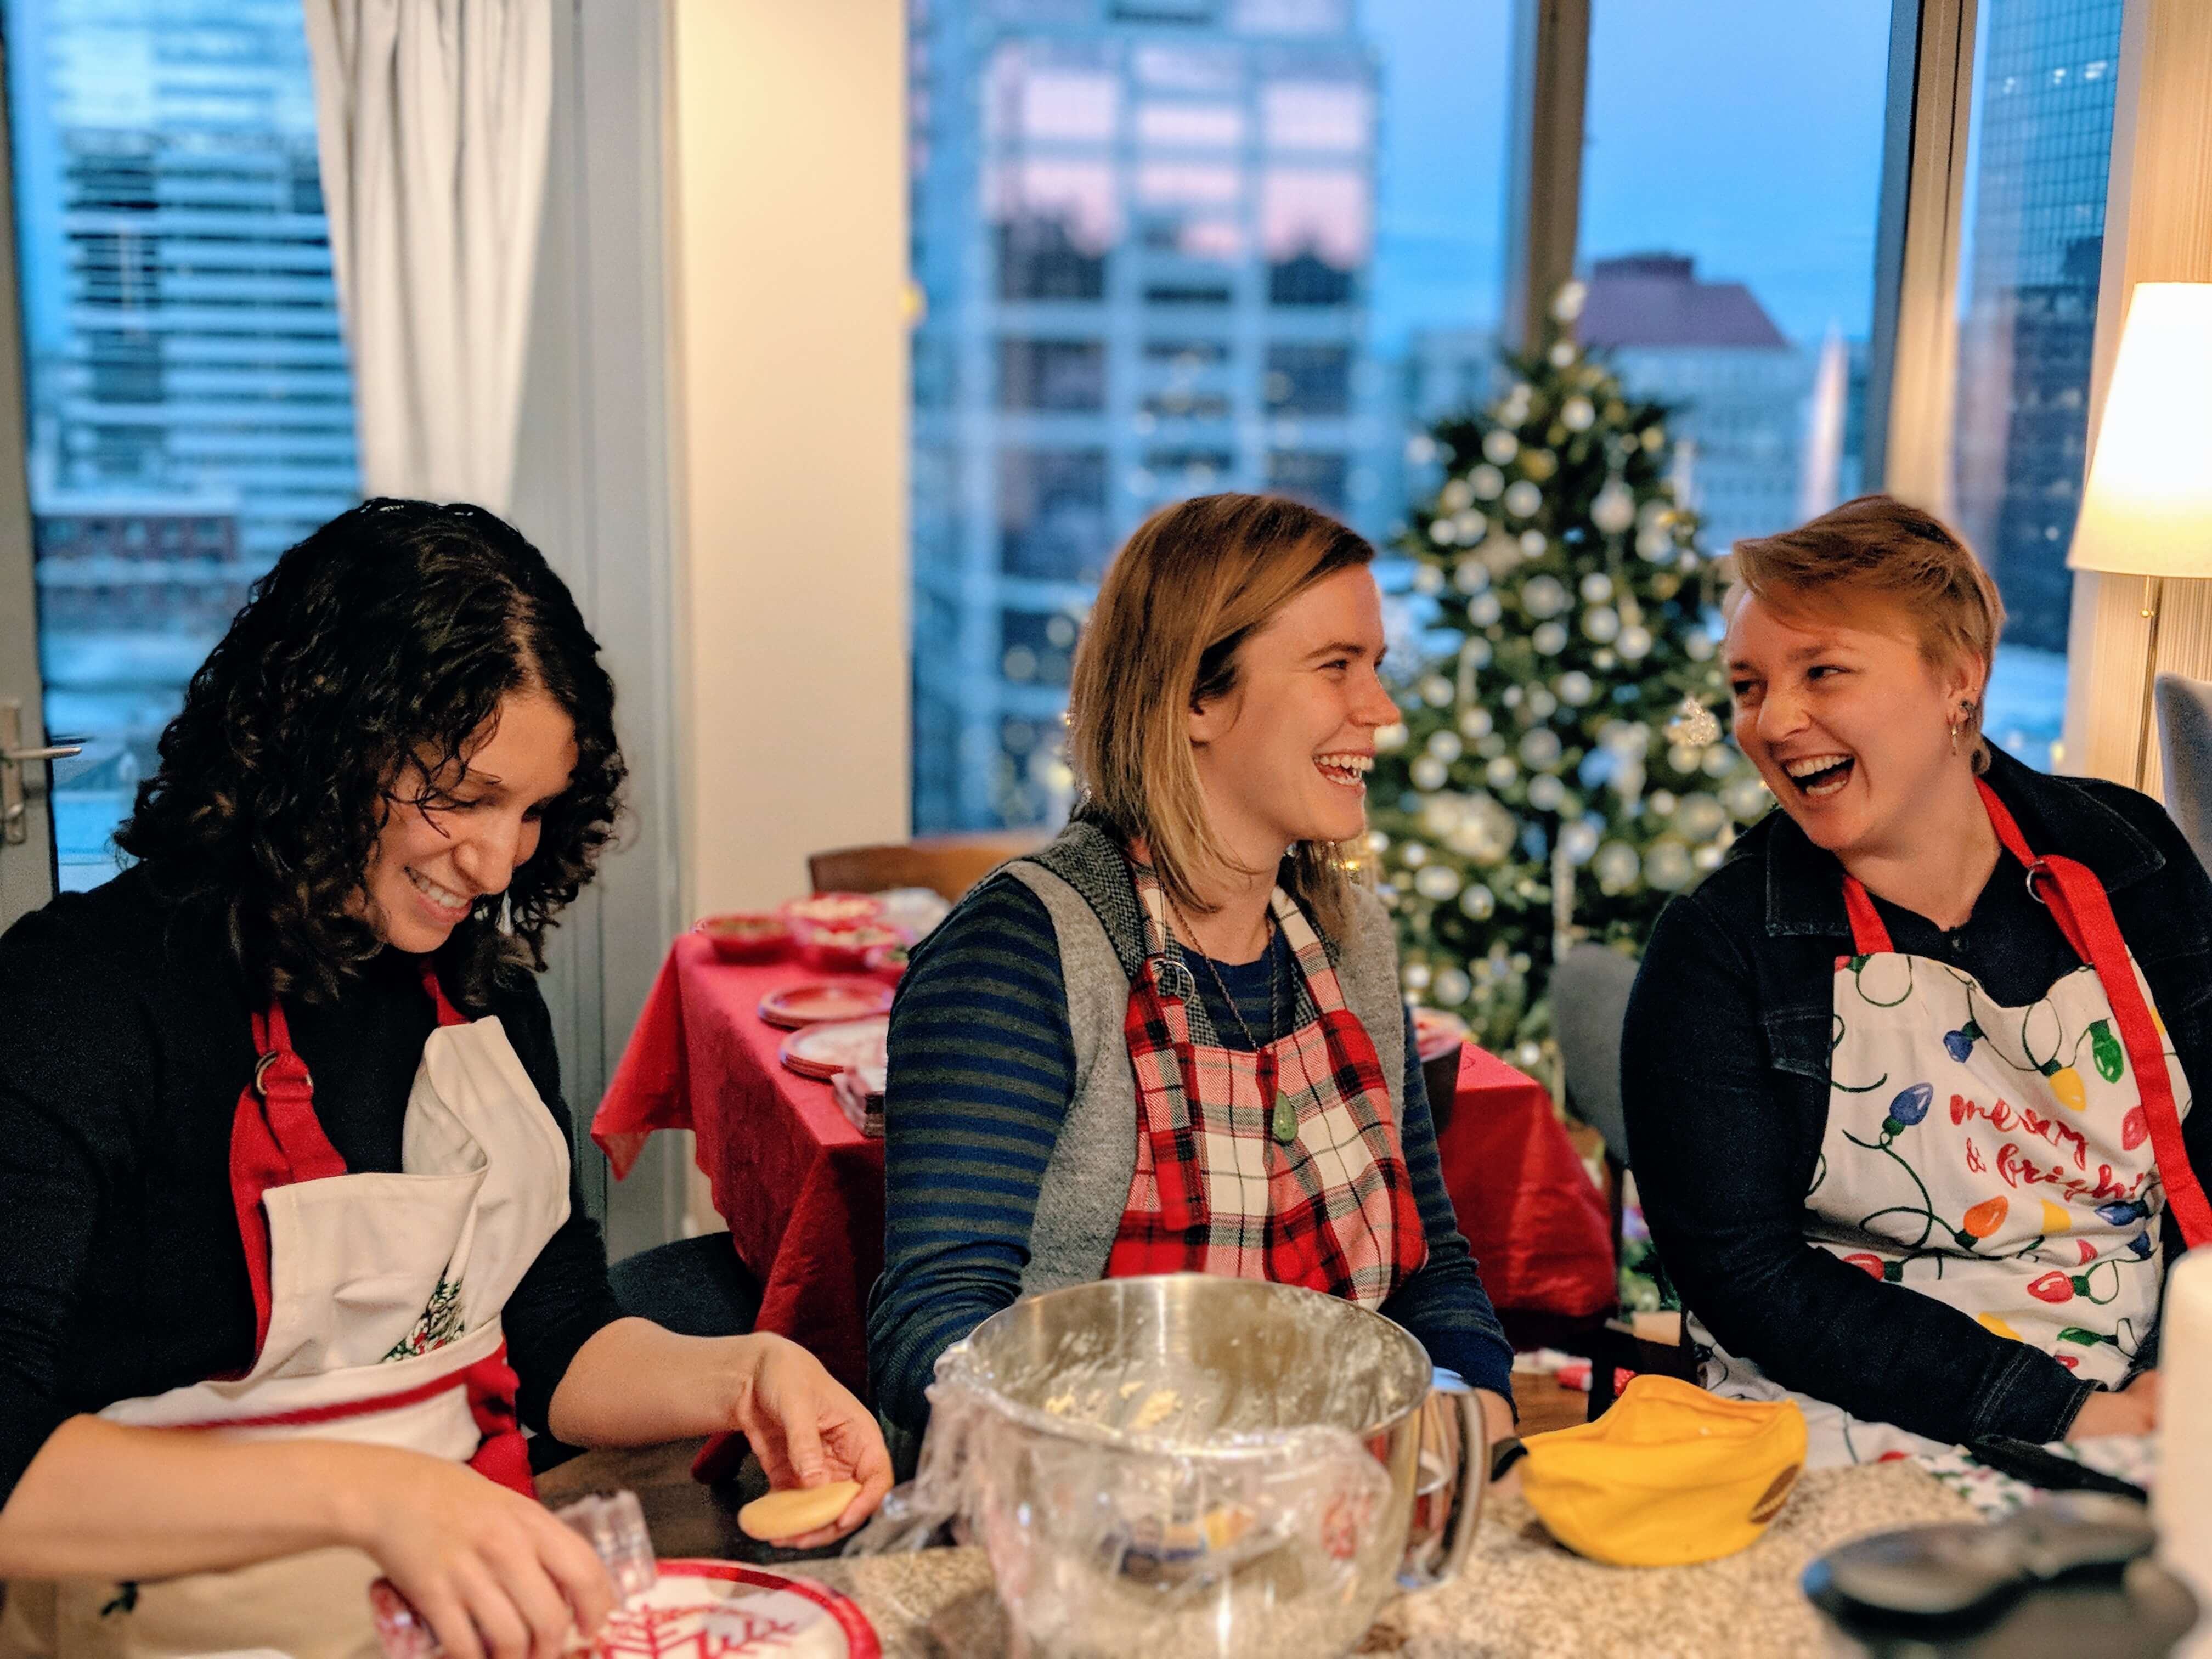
x,y
1879,548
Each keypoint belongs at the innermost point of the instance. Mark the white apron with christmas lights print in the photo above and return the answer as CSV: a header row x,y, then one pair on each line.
x,y
2000,1159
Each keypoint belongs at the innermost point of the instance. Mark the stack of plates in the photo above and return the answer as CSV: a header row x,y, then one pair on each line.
x,y
798,1006
858,1092
822,1051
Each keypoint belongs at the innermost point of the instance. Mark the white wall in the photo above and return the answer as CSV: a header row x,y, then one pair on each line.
x,y
787,241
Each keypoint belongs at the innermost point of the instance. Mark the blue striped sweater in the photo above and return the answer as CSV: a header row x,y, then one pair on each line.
x,y
982,1068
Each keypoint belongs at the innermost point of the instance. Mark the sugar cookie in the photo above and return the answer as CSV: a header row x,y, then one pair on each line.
x,y
795,1509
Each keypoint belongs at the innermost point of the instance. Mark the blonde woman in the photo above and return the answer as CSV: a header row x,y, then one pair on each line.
x,y
1908,1077
1193,925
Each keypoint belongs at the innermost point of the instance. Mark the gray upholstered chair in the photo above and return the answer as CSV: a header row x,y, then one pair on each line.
x,y
1589,1001
2184,739
1589,1004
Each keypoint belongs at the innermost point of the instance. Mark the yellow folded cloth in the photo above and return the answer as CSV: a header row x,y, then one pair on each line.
x,y
1670,1475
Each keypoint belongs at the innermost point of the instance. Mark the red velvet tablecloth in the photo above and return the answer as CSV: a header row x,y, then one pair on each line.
x,y
803,1190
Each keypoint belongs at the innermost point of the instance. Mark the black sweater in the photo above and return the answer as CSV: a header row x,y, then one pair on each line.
x,y
124,1041
1724,1079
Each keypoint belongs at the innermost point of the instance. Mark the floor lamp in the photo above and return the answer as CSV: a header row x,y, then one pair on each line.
x,y
2148,509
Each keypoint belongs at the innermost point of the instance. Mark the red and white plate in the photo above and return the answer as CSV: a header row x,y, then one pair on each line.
x,y
817,1001
1437,1033
721,1610
822,1051
833,910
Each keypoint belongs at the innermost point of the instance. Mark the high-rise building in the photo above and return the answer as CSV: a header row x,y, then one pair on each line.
x,y
1142,234
190,405
2029,322
1739,387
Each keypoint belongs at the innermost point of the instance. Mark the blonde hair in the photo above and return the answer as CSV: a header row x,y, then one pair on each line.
x,y
1189,586
1878,547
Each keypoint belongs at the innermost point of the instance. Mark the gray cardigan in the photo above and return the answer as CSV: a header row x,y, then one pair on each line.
x,y
1083,883
1011,1119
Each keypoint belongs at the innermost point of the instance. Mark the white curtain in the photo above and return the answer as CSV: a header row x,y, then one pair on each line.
x,y
432,119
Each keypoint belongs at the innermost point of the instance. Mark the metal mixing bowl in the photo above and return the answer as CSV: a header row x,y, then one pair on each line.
x,y
1187,1465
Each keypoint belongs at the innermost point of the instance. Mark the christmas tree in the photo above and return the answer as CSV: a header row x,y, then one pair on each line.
x,y
1560,769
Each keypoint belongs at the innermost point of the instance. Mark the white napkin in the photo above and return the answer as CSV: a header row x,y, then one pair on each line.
x,y
2182,1506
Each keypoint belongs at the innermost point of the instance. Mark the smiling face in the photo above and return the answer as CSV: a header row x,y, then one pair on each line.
x,y
1847,720
431,863
1284,755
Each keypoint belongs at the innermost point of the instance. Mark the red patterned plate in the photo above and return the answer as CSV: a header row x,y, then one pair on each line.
x,y
832,910
721,1610
820,999
822,1051
1437,1033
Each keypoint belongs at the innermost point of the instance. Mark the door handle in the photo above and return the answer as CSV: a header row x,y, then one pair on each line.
x,y
15,819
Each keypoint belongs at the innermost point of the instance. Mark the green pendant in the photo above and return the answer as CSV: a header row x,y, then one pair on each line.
x,y
1286,1121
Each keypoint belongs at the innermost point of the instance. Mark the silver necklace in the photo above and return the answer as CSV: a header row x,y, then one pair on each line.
x,y
1283,1118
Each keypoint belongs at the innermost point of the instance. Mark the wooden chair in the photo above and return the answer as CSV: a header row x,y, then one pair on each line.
x,y
1589,1003
948,865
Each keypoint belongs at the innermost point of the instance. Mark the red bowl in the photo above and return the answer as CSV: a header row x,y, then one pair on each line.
x,y
845,950
886,962
747,936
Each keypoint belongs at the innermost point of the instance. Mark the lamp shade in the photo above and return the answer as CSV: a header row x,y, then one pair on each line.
x,y
2148,509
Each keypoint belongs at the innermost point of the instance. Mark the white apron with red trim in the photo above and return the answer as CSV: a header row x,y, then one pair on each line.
x,y
383,1295
2003,1160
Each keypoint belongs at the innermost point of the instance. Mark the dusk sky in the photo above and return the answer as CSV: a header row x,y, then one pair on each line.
x,y
1743,132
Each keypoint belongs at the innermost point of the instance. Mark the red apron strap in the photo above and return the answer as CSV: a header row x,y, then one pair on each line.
x,y
2084,914
447,1014
2002,820
275,1140
1869,937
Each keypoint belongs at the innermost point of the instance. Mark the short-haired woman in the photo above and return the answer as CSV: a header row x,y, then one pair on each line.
x,y
1908,1078
1173,1040
282,1153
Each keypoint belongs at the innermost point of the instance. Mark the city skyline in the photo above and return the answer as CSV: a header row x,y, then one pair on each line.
x,y
189,400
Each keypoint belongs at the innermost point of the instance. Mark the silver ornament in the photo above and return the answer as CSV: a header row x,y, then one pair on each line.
x,y
1693,727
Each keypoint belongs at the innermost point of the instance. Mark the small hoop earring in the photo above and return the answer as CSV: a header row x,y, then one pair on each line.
x,y
1954,737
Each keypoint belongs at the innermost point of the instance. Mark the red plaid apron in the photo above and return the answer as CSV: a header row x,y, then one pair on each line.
x,y
1214,1192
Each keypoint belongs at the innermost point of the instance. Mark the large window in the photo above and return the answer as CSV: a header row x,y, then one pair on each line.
x,y
1731,179
2038,155
191,414
1165,249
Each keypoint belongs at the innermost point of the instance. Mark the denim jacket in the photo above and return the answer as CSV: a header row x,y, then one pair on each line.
x,y
1724,1080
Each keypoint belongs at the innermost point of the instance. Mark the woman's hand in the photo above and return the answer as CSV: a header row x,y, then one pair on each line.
x,y
808,1430
2133,1410
1499,1425
496,1575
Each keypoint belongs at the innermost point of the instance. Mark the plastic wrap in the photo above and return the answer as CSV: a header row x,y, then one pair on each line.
x,y
1116,1525
612,1523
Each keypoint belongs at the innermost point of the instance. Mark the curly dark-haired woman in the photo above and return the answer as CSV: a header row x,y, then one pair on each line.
x,y
283,1153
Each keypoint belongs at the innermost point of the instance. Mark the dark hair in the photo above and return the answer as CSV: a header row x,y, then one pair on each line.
x,y
357,670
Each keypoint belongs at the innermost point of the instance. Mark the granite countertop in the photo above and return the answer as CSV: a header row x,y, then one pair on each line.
x,y
1522,1594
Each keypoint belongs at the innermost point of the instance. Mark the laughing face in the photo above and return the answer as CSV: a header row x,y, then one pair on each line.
x,y
1284,757
431,864
1847,721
